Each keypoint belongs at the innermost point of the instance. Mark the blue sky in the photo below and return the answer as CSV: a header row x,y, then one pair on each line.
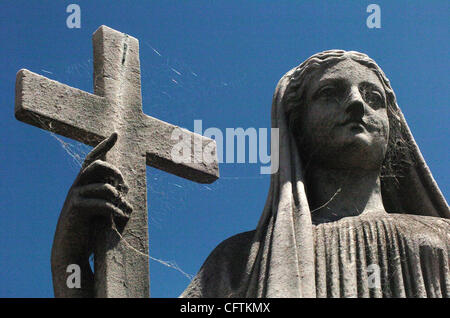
x,y
217,61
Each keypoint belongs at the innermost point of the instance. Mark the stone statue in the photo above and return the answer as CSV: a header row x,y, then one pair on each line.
x,y
353,194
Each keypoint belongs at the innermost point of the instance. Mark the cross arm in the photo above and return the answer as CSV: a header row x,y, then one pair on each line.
x,y
59,108
159,143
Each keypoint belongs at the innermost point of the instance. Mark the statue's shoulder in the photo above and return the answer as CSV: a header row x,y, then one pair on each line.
x,y
235,244
222,272
232,253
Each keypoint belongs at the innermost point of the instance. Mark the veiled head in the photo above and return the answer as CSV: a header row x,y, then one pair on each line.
x,y
343,111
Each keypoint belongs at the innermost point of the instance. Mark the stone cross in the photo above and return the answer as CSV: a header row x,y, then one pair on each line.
x,y
121,264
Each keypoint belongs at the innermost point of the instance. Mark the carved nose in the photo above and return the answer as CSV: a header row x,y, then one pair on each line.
x,y
355,106
355,109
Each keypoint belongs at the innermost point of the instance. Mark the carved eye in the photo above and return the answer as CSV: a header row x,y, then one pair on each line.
x,y
327,91
374,98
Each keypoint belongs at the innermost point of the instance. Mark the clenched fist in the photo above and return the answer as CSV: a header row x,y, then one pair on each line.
x,y
99,190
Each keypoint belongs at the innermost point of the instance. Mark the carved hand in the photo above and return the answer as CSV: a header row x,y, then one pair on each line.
x,y
97,193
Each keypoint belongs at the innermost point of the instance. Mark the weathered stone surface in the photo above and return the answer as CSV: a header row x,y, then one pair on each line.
x,y
116,106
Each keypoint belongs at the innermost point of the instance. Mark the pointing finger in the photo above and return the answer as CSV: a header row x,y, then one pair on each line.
x,y
99,152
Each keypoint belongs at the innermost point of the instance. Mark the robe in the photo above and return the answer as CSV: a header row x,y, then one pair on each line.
x,y
411,252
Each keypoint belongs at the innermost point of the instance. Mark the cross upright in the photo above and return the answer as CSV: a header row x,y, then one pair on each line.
x,y
115,106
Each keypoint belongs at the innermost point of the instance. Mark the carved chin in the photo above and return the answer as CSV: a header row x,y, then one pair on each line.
x,y
362,151
353,149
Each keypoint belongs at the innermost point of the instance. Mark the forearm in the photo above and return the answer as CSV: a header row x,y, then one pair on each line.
x,y
61,285
98,192
70,247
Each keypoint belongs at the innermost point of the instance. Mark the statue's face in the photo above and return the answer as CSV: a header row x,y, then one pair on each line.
x,y
345,124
